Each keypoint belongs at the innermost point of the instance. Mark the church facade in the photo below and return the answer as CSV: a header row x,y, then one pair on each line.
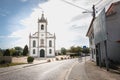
x,y
42,43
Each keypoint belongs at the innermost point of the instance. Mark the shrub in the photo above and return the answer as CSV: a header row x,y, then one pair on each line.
x,y
65,58
48,60
30,59
57,59
1,54
61,58
2,62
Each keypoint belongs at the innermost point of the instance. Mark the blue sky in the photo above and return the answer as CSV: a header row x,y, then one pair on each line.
x,y
11,12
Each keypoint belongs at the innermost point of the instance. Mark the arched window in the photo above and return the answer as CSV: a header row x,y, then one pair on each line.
x,y
34,43
50,43
34,51
42,27
42,41
50,51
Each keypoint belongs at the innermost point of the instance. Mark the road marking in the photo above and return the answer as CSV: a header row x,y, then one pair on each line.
x,y
69,71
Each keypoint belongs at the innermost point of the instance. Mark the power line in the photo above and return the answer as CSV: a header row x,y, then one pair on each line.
x,y
86,10
98,9
76,5
98,2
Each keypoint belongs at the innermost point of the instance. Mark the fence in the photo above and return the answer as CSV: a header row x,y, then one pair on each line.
x,y
6,59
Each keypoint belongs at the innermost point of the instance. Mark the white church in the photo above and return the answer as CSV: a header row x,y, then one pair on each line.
x,y
42,43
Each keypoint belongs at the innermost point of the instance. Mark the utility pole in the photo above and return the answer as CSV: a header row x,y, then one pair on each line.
x,y
94,11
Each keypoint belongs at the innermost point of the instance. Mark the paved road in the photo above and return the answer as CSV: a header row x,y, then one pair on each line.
x,y
49,71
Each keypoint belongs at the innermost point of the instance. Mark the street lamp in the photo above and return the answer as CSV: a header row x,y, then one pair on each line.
x,y
93,12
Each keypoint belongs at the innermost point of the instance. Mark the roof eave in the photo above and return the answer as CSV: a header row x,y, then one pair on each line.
x,y
90,26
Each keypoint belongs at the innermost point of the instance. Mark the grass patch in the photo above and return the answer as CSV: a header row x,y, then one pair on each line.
x,y
10,64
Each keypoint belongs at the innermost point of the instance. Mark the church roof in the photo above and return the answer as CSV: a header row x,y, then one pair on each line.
x,y
42,19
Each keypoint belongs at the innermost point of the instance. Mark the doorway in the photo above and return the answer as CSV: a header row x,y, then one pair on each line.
x,y
42,53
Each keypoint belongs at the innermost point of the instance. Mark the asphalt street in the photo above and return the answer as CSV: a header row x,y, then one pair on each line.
x,y
56,70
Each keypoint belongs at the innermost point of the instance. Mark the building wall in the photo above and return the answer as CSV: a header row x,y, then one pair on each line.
x,y
113,34
103,53
52,48
92,47
39,27
31,47
113,51
46,47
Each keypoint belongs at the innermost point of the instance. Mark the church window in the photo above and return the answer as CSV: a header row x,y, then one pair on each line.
x,y
34,43
50,51
50,43
42,27
42,41
33,51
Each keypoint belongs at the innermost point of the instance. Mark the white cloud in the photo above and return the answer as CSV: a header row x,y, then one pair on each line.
x,y
60,17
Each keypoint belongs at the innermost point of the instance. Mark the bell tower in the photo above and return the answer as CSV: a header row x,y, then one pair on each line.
x,y
42,35
42,24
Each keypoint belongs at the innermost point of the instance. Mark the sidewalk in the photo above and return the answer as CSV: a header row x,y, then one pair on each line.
x,y
17,67
78,72
89,71
96,73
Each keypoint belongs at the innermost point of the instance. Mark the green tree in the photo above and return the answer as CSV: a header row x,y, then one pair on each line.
x,y
1,52
86,50
78,49
72,49
75,49
19,50
6,53
12,51
25,50
63,51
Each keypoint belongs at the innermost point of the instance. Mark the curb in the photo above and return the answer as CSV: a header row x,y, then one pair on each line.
x,y
34,64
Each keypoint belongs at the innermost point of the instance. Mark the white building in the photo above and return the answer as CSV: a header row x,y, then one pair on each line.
x,y
42,43
104,36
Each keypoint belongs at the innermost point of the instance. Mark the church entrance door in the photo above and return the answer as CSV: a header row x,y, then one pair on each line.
x,y
42,53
